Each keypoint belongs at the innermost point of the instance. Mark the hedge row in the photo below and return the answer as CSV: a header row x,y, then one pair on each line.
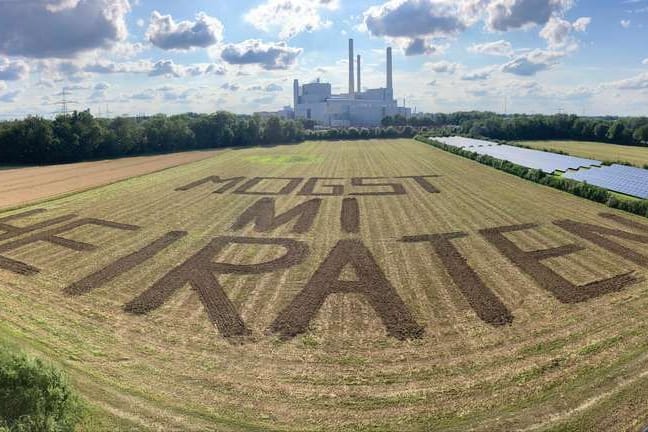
x,y
584,190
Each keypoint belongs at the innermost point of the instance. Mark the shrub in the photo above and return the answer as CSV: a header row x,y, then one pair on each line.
x,y
34,396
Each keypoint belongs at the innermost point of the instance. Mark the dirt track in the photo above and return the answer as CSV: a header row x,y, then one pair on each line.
x,y
25,185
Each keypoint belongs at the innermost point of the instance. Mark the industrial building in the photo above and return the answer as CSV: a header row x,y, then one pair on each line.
x,y
316,102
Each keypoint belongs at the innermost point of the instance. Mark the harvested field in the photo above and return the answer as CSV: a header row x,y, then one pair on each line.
x,y
382,285
24,185
600,151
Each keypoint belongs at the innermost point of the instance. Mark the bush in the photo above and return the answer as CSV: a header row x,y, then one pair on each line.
x,y
34,396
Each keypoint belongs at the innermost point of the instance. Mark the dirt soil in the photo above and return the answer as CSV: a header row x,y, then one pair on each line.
x,y
24,185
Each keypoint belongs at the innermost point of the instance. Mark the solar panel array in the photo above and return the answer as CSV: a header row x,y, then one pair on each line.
x,y
547,162
461,142
619,178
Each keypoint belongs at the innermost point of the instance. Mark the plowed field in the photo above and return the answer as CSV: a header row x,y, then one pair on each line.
x,y
381,285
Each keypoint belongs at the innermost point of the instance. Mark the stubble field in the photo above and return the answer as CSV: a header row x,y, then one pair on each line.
x,y
197,299
600,151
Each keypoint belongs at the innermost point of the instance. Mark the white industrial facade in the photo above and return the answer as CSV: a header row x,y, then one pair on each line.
x,y
316,102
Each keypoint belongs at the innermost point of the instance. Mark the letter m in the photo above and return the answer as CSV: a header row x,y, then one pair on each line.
x,y
265,219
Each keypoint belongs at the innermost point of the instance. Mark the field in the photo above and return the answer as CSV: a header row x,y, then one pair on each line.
x,y
245,292
21,185
600,151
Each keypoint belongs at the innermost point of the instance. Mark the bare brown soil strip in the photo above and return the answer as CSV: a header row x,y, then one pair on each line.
x,y
350,216
24,185
123,265
596,233
229,183
623,221
291,185
422,181
397,188
531,264
52,236
199,271
263,215
309,187
371,282
483,301
13,231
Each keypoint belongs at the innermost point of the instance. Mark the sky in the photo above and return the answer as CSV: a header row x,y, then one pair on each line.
x,y
132,57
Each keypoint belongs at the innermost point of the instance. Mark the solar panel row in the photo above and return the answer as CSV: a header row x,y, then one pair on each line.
x,y
619,178
547,162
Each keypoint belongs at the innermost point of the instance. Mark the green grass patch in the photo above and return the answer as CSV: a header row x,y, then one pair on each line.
x,y
284,159
599,346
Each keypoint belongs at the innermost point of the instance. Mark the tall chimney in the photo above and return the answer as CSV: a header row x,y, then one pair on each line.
x,y
351,79
359,78
295,95
390,74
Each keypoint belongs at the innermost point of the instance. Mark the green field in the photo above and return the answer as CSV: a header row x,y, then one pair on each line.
x,y
393,298
600,151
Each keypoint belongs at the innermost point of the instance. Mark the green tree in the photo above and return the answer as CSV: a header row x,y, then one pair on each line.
x,y
35,396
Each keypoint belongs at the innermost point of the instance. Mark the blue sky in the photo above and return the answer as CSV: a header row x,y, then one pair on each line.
x,y
145,56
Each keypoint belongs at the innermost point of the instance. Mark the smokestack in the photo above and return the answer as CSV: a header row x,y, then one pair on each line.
x,y
359,79
295,94
390,76
351,79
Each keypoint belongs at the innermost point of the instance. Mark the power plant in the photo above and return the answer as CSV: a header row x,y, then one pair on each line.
x,y
316,102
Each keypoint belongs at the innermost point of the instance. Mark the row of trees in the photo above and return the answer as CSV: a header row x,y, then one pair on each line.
x,y
625,130
80,136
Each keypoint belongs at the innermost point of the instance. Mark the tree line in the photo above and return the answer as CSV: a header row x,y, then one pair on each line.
x,y
81,136
616,130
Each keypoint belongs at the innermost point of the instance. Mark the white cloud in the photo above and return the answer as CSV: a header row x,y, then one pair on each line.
x,y
419,21
166,68
230,87
478,75
165,33
504,15
625,23
415,19
532,62
420,46
11,96
13,70
558,32
638,82
442,66
268,88
645,62
581,24
290,17
62,28
497,48
269,56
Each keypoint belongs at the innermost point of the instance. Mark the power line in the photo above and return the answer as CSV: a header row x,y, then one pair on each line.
x,y
64,102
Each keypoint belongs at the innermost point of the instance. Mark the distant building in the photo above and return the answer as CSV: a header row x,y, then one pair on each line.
x,y
316,102
284,113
